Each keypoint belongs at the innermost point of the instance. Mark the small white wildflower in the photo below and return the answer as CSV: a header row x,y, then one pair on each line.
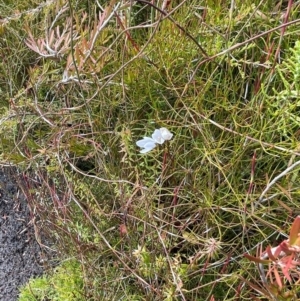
x,y
147,144
166,134
158,137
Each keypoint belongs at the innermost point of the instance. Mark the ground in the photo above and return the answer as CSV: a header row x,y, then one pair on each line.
x,y
20,254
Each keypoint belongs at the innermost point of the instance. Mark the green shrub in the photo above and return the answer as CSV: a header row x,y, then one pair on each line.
x,y
64,284
174,223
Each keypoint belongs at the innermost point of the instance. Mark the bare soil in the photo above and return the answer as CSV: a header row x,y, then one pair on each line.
x,y
20,254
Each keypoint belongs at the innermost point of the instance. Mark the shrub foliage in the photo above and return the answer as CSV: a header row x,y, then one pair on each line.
x,y
82,81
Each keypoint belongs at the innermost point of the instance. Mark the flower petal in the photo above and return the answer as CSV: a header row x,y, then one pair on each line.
x,y
157,137
147,149
165,134
144,141
150,144
147,144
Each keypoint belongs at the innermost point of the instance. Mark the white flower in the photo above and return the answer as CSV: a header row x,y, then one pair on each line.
x,y
147,144
166,134
158,137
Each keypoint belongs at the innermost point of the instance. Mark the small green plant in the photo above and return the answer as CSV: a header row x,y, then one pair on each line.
x,y
65,284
